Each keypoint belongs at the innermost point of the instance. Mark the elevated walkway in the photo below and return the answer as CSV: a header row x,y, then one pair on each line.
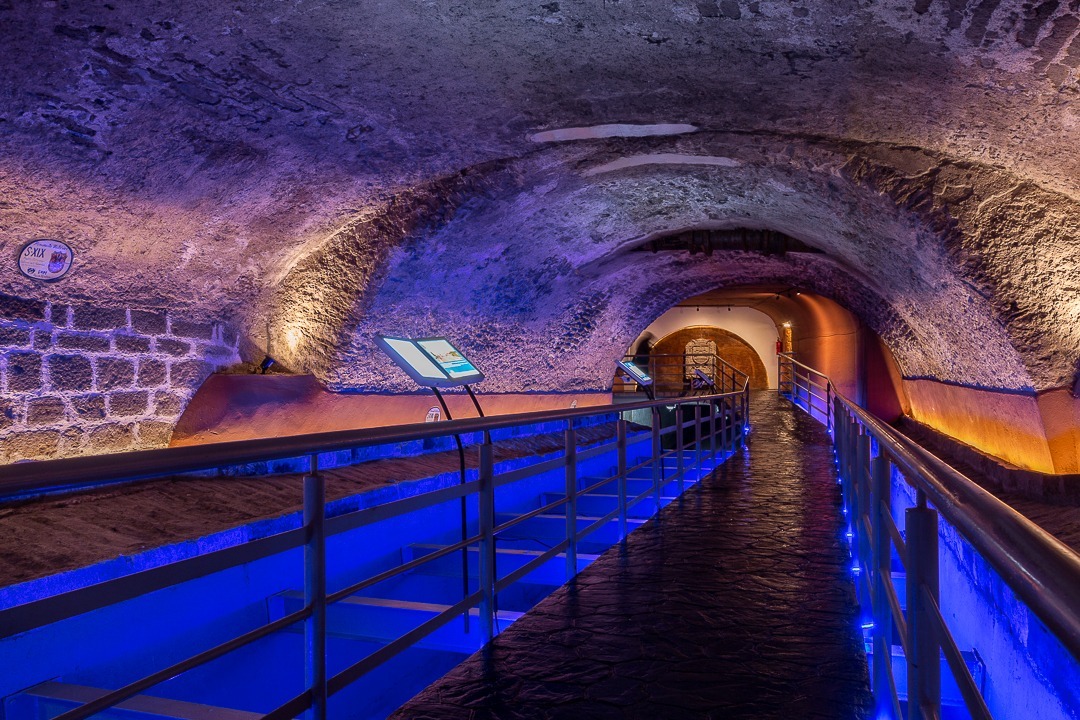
x,y
736,601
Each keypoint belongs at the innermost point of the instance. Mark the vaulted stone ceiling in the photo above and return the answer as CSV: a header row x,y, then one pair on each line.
x,y
319,171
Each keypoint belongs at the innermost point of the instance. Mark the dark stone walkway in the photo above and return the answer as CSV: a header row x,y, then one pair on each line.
x,y
735,603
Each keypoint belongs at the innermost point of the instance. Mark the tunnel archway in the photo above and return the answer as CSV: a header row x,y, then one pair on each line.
x,y
727,345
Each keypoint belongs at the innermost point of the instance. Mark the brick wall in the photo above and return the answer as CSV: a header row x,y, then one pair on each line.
x,y
83,379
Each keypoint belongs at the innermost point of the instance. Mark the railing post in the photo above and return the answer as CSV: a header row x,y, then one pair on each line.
x,y
699,448
315,587
712,434
571,500
923,665
852,439
729,426
828,406
679,464
486,564
657,461
745,411
620,444
882,573
860,508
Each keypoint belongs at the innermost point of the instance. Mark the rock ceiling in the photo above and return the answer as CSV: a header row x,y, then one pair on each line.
x,y
315,171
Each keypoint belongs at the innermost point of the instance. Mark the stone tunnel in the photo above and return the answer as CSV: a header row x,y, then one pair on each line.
x,y
542,182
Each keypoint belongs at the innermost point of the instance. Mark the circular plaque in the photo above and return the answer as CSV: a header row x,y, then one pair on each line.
x,y
45,259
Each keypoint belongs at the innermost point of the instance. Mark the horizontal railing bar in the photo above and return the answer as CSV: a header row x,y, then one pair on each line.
x,y
589,453
790,359
291,709
512,476
119,695
73,473
639,498
533,564
394,508
598,484
894,532
517,520
973,699
894,695
21,618
866,525
894,608
600,522
350,674
399,569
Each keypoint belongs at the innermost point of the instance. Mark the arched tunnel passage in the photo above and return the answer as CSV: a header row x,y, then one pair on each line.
x,y
540,184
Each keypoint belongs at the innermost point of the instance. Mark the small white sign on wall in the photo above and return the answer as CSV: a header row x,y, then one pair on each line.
x,y
45,259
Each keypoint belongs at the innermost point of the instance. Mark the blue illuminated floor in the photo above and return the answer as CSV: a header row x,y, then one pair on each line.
x,y
737,602
73,661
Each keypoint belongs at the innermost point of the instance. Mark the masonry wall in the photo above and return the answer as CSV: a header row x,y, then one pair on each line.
x,y
87,379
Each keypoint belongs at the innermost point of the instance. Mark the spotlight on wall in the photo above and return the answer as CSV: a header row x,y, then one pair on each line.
x,y
266,363
787,324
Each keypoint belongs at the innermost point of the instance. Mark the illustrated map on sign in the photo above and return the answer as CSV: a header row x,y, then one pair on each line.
x,y
449,358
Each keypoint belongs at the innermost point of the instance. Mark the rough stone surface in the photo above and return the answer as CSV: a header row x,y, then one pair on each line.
x,y
45,411
23,372
312,173
736,602
128,404
132,344
65,396
71,372
113,373
152,372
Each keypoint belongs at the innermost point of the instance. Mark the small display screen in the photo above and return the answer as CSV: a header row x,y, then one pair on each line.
x,y
637,374
418,361
449,358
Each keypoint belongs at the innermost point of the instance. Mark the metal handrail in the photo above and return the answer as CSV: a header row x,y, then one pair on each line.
x,y
1042,571
312,535
81,472
721,370
1039,568
786,361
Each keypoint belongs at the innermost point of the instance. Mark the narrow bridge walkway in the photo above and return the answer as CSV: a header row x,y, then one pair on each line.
x,y
736,602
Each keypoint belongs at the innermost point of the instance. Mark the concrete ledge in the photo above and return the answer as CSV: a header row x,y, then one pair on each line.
x,y
245,407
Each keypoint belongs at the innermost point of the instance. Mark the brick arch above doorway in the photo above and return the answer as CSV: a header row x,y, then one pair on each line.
x,y
729,346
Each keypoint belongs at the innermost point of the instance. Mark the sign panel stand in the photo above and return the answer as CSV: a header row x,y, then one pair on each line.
x,y
434,362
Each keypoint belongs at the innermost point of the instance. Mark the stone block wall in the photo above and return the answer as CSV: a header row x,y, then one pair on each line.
x,y
85,379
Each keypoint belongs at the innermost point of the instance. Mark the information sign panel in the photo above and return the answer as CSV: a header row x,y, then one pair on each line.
x,y
636,374
430,362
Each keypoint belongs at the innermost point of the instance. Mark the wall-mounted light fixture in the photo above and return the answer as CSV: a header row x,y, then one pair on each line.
x,y
266,364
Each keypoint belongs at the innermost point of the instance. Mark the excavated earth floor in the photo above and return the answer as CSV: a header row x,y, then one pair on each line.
x,y
50,535
735,602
